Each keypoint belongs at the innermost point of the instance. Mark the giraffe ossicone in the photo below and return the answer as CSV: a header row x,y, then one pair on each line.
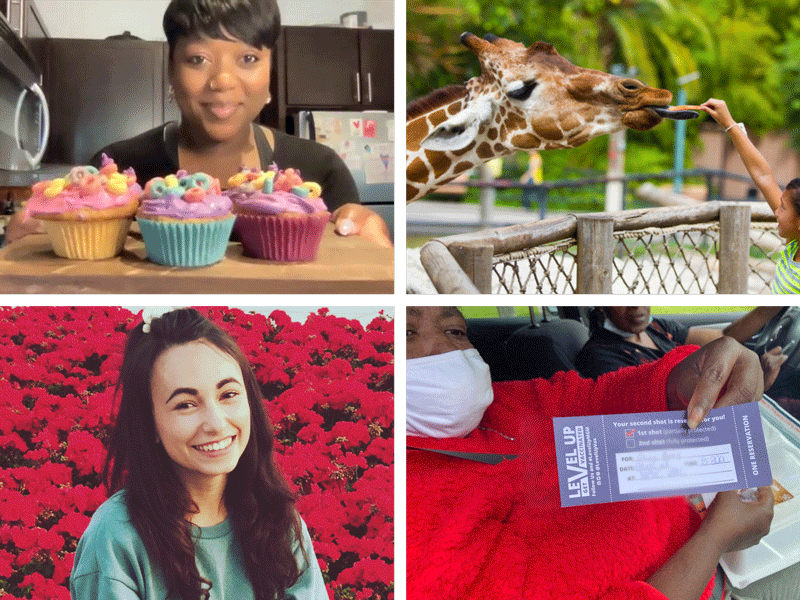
x,y
526,98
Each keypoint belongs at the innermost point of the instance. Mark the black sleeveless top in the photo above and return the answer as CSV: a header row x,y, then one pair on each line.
x,y
154,153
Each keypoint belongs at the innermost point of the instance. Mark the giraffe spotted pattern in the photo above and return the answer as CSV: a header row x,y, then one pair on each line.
x,y
526,98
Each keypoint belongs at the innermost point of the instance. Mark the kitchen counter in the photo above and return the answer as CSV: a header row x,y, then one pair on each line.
x,y
344,265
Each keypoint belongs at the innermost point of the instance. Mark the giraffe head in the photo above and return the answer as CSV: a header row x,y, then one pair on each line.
x,y
525,98
544,101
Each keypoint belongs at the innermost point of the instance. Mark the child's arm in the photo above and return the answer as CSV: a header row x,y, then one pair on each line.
x,y
756,165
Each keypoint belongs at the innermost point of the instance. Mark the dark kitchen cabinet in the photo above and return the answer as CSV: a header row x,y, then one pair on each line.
x,y
102,91
335,68
376,52
321,67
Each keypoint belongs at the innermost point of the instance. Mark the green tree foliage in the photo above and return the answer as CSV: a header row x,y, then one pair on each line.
x,y
747,53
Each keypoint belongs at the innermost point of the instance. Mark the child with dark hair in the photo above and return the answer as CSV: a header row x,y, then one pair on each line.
x,y
785,204
199,508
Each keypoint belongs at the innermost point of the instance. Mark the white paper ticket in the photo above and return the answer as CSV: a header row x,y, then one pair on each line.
x,y
608,458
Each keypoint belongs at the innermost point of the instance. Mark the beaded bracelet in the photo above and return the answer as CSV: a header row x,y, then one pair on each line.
x,y
740,125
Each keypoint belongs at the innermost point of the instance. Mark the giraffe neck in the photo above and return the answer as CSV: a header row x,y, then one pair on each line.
x,y
428,169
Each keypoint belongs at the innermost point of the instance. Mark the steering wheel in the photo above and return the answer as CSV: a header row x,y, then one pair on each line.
x,y
782,330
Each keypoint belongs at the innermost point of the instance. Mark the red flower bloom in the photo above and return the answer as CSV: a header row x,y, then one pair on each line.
x,y
73,524
328,391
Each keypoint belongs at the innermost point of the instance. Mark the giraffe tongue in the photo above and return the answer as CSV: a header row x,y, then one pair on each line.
x,y
681,115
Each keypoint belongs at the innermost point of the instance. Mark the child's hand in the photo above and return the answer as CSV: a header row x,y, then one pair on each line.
x,y
718,111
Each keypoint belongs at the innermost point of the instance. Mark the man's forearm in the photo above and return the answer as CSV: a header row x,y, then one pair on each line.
x,y
743,329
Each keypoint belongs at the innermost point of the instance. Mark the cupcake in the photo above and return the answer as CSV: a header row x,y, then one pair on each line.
x,y
88,212
185,220
278,215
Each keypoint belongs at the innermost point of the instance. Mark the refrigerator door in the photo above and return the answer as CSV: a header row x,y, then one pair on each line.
x,y
365,142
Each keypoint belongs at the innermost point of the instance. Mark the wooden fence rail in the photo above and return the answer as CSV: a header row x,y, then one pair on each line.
x,y
463,263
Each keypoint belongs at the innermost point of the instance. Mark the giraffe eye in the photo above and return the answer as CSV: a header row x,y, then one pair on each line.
x,y
523,92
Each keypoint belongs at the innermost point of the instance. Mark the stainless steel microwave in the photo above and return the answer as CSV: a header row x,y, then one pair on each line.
x,y
24,116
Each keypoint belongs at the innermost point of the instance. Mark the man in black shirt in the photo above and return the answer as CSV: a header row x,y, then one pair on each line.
x,y
626,335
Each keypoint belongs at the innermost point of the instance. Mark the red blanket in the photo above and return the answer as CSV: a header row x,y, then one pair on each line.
x,y
497,531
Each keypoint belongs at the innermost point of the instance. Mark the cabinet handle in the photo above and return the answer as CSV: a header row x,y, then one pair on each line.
x,y
358,87
369,88
11,5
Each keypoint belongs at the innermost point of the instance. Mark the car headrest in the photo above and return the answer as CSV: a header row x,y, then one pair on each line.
x,y
546,348
488,336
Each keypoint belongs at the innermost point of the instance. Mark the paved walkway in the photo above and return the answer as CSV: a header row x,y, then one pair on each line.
x,y
427,217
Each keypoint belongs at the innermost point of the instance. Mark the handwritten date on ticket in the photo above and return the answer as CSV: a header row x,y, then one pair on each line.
x,y
610,458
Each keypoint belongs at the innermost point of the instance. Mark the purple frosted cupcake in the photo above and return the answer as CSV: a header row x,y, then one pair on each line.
x,y
278,215
185,220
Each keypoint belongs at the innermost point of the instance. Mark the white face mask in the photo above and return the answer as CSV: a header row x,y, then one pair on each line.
x,y
446,394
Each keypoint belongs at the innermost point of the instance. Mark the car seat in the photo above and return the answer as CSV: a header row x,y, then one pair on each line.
x,y
488,336
544,349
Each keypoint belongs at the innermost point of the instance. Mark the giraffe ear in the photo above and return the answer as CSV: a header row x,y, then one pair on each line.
x,y
459,130
449,136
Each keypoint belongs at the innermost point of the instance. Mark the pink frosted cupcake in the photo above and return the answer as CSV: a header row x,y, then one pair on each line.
x,y
278,215
87,213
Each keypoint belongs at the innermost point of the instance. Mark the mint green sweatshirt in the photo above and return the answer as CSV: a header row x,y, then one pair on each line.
x,y
111,562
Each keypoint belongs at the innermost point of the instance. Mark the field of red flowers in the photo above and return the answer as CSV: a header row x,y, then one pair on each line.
x,y
328,388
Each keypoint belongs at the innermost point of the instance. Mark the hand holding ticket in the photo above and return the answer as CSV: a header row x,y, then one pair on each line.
x,y
721,373
609,458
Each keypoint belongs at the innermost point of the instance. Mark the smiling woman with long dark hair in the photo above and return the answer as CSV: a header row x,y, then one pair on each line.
x,y
199,508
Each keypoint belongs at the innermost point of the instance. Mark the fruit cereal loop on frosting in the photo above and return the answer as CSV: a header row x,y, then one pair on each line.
x,y
85,198
263,199
162,200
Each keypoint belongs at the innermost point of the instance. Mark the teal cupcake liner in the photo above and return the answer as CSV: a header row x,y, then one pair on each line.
x,y
179,244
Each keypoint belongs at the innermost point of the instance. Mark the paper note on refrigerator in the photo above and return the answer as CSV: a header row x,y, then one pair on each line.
x,y
610,458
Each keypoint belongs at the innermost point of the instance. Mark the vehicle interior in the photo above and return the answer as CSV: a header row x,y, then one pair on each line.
x,y
548,339
555,335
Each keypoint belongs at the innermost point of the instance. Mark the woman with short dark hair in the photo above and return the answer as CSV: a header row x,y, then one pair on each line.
x,y
199,509
220,59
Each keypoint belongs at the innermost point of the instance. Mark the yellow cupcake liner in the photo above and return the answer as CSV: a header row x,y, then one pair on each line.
x,y
88,240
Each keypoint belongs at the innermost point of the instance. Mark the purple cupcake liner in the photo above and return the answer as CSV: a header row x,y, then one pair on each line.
x,y
281,238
